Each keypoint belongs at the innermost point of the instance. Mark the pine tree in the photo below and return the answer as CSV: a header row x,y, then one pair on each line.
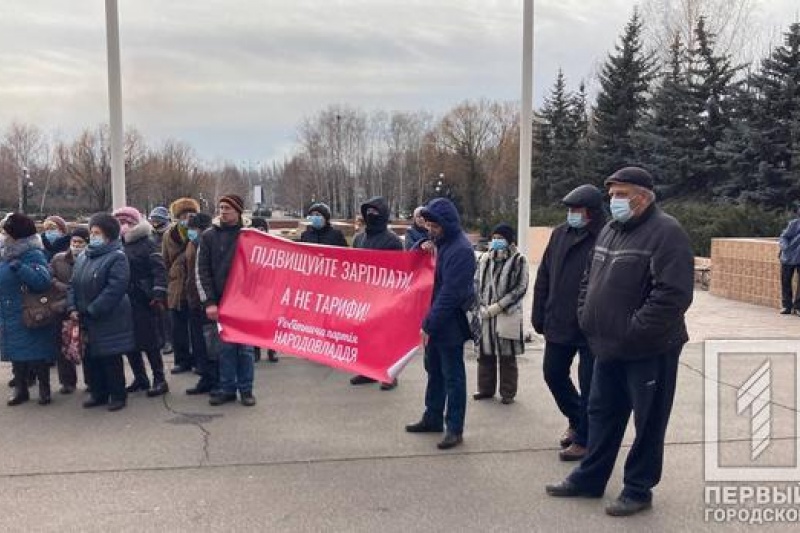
x,y
623,100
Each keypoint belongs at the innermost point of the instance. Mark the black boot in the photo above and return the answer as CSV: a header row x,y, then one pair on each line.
x,y
43,375
160,388
272,356
20,395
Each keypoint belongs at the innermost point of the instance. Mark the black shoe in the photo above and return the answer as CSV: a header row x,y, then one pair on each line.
x,y
624,506
248,400
361,380
423,426
66,389
784,311
507,401
567,438
222,398
94,402
18,399
451,440
257,356
160,388
116,405
137,385
482,396
389,386
181,370
200,388
566,489
272,356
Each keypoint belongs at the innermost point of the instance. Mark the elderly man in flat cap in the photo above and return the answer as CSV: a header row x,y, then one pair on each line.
x,y
631,308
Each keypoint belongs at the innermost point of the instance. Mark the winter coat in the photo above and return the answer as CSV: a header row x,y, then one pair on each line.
x,y
99,292
327,235
61,266
453,284
173,249
558,282
789,243
23,263
56,247
377,236
414,234
147,283
214,259
640,283
192,295
502,278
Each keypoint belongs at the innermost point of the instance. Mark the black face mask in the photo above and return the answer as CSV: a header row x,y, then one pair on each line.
x,y
373,218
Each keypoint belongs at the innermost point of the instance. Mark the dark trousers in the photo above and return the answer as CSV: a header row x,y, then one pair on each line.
x,y
106,376
22,371
646,387
182,337
573,405
787,273
67,373
487,375
447,386
156,361
206,364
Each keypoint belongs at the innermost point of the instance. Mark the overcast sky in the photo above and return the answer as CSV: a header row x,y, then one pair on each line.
x,y
234,78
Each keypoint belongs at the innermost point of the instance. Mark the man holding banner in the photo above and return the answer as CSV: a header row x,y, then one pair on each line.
x,y
445,328
214,259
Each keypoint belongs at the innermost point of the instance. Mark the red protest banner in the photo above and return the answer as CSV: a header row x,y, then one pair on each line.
x,y
352,309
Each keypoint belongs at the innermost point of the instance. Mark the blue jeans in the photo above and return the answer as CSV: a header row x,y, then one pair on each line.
x,y
447,386
236,368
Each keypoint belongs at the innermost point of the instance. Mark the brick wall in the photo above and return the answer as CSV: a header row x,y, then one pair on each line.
x,y
747,270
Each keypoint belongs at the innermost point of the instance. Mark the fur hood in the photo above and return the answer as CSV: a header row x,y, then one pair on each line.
x,y
16,249
140,231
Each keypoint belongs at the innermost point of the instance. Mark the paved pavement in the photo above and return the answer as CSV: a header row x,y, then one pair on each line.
x,y
316,454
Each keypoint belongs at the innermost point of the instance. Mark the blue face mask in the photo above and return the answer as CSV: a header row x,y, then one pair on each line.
x,y
498,244
52,235
316,221
576,220
192,234
621,209
96,241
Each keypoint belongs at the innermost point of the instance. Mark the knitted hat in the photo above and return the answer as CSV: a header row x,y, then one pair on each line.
x,y
128,215
108,224
183,205
234,201
322,209
19,226
60,223
506,231
159,213
80,233
199,221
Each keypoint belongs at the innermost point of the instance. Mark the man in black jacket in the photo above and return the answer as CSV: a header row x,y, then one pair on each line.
x,y
376,236
631,308
555,305
319,229
214,259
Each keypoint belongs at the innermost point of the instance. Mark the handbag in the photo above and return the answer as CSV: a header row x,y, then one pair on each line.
x,y
213,340
509,324
43,309
72,341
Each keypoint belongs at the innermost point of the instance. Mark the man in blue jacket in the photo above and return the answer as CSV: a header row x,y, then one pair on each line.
x,y
631,308
445,329
790,262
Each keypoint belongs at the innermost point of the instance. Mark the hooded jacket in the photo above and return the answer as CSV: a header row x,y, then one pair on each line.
x,y
147,283
453,285
558,281
376,234
640,283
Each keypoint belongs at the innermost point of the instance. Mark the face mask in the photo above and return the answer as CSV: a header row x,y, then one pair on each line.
x,y
498,244
157,224
316,221
575,220
96,241
183,223
621,209
192,234
52,235
372,218
76,250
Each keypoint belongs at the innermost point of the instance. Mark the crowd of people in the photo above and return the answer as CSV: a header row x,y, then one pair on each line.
x,y
614,293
